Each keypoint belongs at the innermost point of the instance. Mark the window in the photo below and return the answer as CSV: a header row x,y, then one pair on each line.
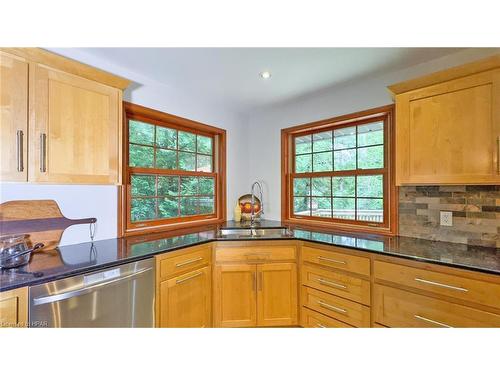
x,y
174,171
337,172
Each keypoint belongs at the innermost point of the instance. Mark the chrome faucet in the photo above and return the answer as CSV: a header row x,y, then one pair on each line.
x,y
252,212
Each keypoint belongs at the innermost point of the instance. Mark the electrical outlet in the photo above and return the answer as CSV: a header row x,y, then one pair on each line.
x,y
446,218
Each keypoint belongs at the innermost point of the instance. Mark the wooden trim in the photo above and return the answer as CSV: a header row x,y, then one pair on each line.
x,y
159,118
346,120
455,72
43,57
389,226
125,226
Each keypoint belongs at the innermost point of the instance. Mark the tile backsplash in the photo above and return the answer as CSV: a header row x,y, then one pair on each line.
x,y
476,213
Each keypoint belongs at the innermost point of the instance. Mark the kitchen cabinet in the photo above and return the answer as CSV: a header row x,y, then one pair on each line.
x,y
255,286
335,287
263,295
185,300
235,298
184,288
411,294
61,120
14,308
75,131
448,126
13,117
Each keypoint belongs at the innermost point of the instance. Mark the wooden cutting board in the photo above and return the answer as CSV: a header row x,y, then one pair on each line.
x,y
42,219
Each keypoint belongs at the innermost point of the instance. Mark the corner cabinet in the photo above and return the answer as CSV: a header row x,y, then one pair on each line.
x,y
61,120
448,126
255,284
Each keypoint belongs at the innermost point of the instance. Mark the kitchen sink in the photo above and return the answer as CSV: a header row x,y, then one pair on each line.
x,y
255,232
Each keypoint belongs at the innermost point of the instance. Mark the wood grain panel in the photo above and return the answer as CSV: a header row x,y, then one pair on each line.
x,y
235,303
345,286
80,119
13,117
14,308
399,308
313,319
277,295
335,307
337,260
463,288
175,263
185,300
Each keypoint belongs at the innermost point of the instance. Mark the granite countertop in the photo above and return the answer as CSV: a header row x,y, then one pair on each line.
x,y
70,260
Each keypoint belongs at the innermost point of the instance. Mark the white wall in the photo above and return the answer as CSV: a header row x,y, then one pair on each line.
x,y
101,202
264,125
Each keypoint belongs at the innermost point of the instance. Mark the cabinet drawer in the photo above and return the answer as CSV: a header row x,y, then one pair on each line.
x,y
398,308
335,307
255,254
313,319
459,287
171,265
333,259
352,288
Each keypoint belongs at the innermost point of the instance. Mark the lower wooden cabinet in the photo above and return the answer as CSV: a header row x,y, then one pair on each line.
x,y
235,298
14,308
184,288
262,295
185,300
398,308
313,319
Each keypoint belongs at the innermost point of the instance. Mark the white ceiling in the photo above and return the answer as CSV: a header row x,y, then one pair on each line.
x,y
231,75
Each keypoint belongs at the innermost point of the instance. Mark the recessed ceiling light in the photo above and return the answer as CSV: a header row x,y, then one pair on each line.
x,y
265,74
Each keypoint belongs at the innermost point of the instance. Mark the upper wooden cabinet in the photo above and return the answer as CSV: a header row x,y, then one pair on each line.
x,y
13,117
66,128
448,126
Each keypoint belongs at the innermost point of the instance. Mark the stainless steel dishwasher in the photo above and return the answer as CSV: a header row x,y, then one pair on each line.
x,y
115,297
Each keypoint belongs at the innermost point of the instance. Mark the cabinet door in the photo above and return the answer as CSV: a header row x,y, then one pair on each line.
x,y
449,133
277,294
235,296
74,129
14,308
185,300
13,117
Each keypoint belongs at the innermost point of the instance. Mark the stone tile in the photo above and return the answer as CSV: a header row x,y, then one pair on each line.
x,y
472,208
453,200
447,207
482,215
491,208
481,201
456,188
428,200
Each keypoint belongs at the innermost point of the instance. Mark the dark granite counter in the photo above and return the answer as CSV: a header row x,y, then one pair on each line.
x,y
86,257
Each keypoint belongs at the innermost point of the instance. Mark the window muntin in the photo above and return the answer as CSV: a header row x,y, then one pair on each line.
x,y
171,172
340,174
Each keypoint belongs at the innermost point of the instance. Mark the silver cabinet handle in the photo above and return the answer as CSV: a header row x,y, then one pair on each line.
x,y
189,278
331,283
79,291
331,260
188,262
19,149
43,152
441,285
432,321
333,308
319,325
